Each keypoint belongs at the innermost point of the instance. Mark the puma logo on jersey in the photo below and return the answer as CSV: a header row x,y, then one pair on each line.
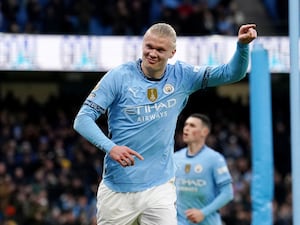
x,y
134,91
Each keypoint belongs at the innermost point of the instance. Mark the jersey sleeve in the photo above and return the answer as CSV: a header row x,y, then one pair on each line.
x,y
104,93
201,77
86,126
223,182
220,171
224,196
96,104
233,71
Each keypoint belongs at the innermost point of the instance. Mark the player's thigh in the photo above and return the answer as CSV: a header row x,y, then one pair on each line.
x,y
161,208
156,216
113,208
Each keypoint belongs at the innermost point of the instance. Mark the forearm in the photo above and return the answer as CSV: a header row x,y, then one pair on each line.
x,y
238,64
86,126
225,196
234,70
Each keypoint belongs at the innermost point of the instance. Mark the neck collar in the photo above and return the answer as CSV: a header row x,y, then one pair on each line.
x,y
139,64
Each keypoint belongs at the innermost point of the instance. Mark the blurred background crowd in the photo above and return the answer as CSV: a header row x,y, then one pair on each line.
x,y
49,174
132,17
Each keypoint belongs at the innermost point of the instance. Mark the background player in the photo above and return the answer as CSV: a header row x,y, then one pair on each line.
x,y
203,181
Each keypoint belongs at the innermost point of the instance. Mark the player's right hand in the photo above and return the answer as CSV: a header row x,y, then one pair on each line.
x,y
124,155
247,33
194,215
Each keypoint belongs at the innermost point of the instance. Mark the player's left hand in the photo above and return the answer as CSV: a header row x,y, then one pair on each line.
x,y
194,215
247,33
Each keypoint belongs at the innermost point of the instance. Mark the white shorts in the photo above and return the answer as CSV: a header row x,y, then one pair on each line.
x,y
155,206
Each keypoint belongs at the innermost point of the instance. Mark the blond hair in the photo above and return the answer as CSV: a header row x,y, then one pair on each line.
x,y
164,30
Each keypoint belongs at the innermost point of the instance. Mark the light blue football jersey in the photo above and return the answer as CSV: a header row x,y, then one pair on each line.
x,y
197,181
142,115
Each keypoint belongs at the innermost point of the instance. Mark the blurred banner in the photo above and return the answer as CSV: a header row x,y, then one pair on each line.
x,y
101,53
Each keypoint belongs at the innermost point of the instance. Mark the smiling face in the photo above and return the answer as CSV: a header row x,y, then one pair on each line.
x,y
158,47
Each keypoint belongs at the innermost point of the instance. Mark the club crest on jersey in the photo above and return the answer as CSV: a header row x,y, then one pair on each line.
x,y
168,89
187,168
198,168
152,94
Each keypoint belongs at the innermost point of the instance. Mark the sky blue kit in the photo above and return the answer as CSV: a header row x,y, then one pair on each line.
x,y
142,115
199,180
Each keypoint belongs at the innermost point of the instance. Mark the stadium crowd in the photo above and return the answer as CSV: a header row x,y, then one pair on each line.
x,y
118,17
49,174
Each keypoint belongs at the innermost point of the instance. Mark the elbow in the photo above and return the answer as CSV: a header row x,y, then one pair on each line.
x,y
233,75
228,192
243,75
231,197
231,194
239,75
83,118
79,121
75,123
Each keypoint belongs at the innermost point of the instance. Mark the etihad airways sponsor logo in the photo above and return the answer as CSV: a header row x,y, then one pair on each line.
x,y
191,182
152,116
154,108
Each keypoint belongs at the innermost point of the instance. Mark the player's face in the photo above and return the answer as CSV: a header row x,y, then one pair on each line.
x,y
156,52
193,130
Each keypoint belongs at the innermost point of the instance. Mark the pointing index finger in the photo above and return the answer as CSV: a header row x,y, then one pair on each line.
x,y
140,157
